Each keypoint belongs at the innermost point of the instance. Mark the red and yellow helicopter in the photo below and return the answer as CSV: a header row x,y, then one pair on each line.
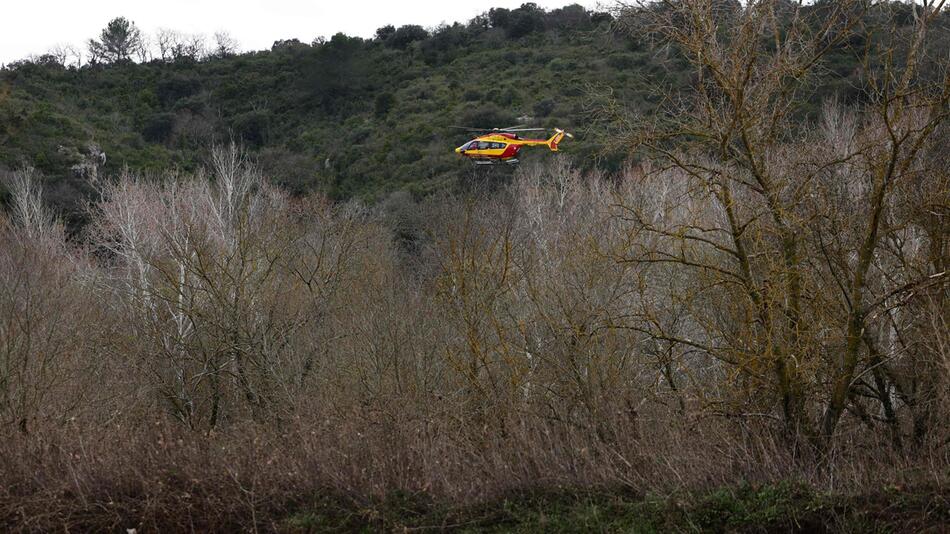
x,y
502,145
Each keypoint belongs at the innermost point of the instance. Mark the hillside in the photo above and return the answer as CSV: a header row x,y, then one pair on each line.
x,y
349,116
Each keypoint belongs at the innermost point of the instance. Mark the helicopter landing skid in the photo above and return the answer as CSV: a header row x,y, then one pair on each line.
x,y
512,161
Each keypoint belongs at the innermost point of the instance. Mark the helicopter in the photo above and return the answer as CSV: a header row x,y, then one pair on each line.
x,y
502,145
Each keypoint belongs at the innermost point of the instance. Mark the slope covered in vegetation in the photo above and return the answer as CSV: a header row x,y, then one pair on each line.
x,y
348,115
351,116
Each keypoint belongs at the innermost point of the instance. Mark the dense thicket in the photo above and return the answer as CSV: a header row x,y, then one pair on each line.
x,y
219,350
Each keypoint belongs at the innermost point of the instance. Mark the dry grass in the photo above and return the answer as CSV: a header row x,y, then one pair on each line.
x,y
162,477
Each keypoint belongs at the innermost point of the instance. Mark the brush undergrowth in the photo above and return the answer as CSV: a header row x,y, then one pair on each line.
x,y
783,507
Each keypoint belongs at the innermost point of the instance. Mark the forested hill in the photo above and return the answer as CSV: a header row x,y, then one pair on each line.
x,y
351,116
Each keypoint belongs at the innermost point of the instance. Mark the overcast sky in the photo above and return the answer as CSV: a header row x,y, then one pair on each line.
x,y
35,26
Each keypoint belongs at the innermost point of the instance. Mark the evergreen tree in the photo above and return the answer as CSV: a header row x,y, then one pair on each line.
x,y
119,40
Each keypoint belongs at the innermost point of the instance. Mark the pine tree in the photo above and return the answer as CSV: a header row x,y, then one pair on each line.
x,y
119,40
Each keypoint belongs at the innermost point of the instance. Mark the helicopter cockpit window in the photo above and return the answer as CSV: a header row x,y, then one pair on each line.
x,y
471,146
484,145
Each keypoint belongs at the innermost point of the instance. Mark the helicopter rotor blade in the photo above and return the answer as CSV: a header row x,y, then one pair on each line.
x,y
516,128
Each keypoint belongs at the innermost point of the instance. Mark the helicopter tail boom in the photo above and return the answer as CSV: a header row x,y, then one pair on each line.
x,y
551,143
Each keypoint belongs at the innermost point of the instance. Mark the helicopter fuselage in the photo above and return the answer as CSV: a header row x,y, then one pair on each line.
x,y
503,147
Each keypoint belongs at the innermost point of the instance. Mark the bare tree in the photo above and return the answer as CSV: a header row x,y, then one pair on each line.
x,y
29,211
224,44
737,150
144,51
195,47
174,45
165,41
66,55
45,315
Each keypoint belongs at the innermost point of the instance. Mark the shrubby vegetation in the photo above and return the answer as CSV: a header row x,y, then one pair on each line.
x,y
356,117
345,115
757,301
